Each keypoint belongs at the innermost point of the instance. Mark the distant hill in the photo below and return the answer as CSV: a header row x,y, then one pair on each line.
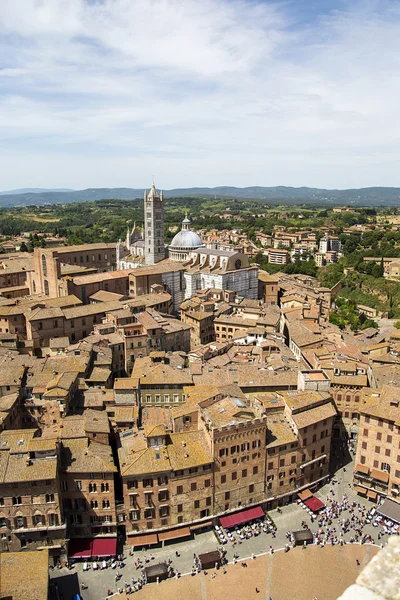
x,y
374,196
34,191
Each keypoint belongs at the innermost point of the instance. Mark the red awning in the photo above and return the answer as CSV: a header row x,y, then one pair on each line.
x,y
104,547
80,548
314,504
242,517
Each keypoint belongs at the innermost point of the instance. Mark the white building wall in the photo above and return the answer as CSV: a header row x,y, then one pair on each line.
x,y
176,284
242,281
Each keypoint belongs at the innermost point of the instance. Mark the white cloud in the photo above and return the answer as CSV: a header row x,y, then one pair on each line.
x,y
201,93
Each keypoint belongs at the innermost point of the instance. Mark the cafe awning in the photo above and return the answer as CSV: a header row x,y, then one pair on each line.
x,y
305,495
380,475
362,469
360,490
200,526
372,495
244,516
174,534
80,548
390,509
104,547
148,539
314,504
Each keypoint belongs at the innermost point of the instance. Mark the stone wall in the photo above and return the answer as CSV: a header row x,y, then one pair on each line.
x,y
380,579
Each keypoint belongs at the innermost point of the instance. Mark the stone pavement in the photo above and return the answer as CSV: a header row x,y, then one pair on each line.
x,y
289,519
296,575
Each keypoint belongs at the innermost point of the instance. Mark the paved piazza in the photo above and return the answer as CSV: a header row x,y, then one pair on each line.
x,y
298,574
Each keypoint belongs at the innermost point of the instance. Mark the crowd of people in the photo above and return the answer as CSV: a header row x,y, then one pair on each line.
x,y
341,517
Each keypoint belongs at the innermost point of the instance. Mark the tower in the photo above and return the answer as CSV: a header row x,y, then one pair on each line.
x,y
153,226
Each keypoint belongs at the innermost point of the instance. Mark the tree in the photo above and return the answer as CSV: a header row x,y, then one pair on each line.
x,y
23,247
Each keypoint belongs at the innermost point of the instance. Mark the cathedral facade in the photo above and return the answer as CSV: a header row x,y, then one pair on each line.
x,y
202,268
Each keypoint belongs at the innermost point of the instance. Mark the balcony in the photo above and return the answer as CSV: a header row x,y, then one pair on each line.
x,y
48,528
314,460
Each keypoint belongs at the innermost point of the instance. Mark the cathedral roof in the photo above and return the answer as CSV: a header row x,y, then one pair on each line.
x,y
186,239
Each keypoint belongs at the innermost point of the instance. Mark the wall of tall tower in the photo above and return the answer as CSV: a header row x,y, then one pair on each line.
x,y
154,226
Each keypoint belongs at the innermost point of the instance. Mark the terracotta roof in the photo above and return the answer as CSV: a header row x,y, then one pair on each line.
x,y
298,399
314,415
104,296
266,277
228,411
11,377
8,401
161,373
123,383
302,336
85,247
387,406
123,414
279,431
91,309
18,469
182,451
163,266
81,456
154,430
24,575
350,380
99,374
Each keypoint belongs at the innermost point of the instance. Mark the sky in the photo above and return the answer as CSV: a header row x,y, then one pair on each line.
x,y
114,93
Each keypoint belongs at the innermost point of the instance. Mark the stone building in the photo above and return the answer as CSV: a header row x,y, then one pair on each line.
x,y
144,332
51,266
221,269
377,469
200,319
87,488
268,288
167,481
31,513
166,273
159,383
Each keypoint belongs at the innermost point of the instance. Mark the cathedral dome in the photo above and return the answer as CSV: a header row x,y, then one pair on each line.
x,y
184,242
186,239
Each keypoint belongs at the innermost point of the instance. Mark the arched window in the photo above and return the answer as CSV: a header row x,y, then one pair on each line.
x,y
46,287
44,265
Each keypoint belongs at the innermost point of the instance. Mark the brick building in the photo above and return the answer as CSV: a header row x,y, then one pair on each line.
x,y
51,265
377,469
268,287
87,487
30,507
